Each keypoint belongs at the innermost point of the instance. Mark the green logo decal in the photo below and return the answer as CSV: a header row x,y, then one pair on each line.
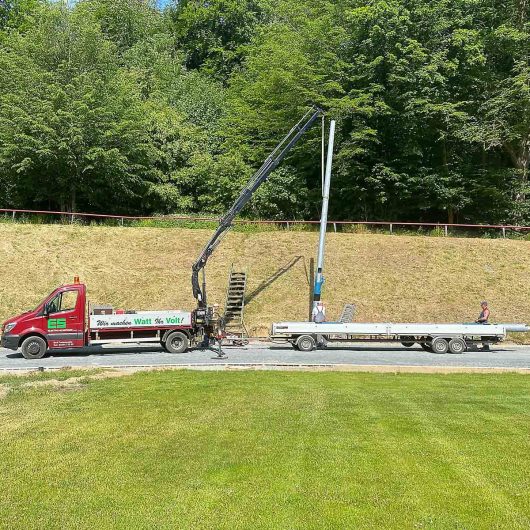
x,y
174,320
57,323
142,321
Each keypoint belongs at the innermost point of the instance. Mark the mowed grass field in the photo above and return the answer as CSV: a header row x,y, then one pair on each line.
x,y
296,450
389,278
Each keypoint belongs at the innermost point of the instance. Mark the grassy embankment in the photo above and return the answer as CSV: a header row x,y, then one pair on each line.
x,y
265,450
390,278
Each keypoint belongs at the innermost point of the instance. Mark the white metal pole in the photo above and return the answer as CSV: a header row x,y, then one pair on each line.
x,y
323,151
324,217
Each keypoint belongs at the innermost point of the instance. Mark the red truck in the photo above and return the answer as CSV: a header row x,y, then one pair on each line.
x,y
66,320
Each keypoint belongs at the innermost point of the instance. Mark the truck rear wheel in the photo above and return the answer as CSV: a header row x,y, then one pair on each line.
x,y
34,347
439,345
305,343
177,342
457,346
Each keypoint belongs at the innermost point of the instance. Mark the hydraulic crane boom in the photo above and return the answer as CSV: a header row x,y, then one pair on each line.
x,y
254,183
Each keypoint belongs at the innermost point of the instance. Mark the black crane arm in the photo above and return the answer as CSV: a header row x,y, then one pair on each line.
x,y
254,183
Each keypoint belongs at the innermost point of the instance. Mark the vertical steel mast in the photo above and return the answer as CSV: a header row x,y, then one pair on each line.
x,y
319,280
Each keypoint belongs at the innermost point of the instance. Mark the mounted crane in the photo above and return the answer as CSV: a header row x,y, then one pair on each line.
x,y
261,175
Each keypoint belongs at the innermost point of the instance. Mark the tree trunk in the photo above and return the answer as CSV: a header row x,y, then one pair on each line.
x,y
73,198
521,15
520,157
445,163
444,157
450,215
525,162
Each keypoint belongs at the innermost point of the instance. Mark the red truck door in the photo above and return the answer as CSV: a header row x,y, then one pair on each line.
x,y
64,316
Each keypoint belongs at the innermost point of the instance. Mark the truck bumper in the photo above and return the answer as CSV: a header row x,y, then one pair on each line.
x,y
10,342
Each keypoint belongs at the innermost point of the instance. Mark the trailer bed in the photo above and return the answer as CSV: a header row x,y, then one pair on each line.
x,y
438,338
388,330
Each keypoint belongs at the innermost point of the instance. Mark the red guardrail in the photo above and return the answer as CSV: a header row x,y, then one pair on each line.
x,y
389,224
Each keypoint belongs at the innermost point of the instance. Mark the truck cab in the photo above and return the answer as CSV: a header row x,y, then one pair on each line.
x,y
58,322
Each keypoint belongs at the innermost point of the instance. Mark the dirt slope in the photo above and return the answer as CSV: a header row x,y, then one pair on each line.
x,y
399,278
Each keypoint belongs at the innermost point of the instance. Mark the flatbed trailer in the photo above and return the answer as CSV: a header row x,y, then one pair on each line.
x,y
437,338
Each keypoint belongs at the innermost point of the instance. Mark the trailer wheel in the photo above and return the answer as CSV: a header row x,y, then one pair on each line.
x,y
34,347
407,341
439,345
457,346
305,343
177,342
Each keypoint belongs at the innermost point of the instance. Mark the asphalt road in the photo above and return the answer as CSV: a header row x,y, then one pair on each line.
x,y
262,354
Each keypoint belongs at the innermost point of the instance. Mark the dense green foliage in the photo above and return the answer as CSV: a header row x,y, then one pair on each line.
x,y
117,106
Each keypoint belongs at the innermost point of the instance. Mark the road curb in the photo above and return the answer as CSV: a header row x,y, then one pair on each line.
x,y
283,367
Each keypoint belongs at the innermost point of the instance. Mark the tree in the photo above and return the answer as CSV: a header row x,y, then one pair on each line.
x,y
290,64
504,123
72,124
16,15
120,106
214,34
124,22
499,115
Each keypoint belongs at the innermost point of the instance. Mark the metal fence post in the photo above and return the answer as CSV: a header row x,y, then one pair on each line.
x,y
445,230
121,221
288,225
335,226
504,232
391,228
13,215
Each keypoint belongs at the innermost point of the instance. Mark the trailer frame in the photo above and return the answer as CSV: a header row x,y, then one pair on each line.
x,y
437,338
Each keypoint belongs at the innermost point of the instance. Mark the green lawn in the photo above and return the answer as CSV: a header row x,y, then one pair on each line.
x,y
267,450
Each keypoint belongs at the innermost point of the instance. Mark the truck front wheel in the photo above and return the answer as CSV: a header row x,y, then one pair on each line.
x,y
34,347
177,342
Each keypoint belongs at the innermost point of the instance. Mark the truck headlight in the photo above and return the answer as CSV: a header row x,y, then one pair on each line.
x,y
9,327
